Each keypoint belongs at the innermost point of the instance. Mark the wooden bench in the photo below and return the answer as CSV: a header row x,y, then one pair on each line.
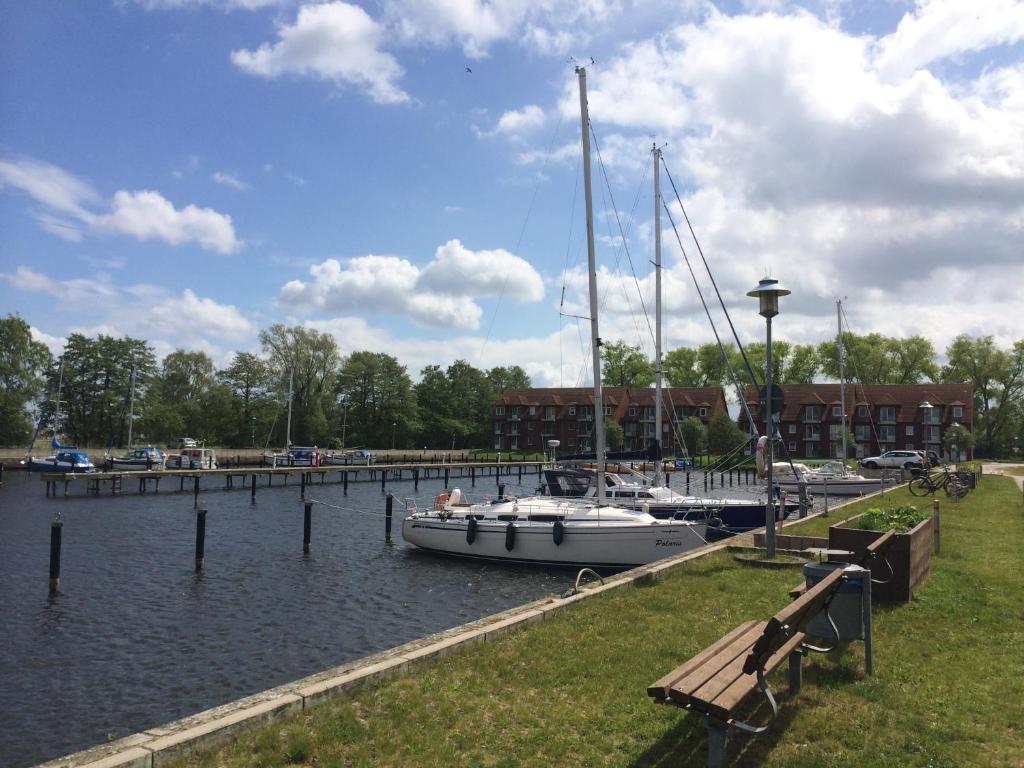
x,y
718,680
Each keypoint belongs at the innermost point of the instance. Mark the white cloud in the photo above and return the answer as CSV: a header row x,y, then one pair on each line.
x,y
442,294
145,215
224,5
941,28
519,121
54,343
456,269
205,315
78,291
229,180
333,41
148,215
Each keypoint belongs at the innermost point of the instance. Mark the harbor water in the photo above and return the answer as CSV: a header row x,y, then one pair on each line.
x,y
137,638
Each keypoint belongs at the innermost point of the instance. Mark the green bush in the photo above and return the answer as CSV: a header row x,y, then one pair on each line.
x,y
891,518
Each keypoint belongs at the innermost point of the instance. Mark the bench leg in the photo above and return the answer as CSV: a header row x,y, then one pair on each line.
x,y
796,671
718,736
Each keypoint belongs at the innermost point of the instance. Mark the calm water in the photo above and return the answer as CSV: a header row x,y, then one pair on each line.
x,y
137,639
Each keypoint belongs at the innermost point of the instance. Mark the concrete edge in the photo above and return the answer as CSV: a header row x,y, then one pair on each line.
x,y
156,746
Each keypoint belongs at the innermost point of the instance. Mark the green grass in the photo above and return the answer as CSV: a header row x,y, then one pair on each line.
x,y
948,688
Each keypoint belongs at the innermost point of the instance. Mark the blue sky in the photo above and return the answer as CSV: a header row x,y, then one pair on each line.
x,y
189,171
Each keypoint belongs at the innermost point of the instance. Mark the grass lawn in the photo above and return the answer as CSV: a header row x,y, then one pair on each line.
x,y
948,688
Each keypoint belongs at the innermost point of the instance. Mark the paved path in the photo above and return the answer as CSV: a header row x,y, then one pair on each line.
x,y
997,469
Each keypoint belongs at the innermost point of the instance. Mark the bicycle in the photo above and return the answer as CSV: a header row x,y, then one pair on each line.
x,y
925,484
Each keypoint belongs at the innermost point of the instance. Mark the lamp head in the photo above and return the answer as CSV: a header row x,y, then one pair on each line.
x,y
767,293
925,404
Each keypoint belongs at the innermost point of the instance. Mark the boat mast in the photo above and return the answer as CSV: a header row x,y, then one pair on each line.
x,y
842,377
656,153
595,338
131,407
288,430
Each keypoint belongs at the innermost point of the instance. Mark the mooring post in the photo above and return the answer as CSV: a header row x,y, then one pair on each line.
x,y
415,478
200,538
344,483
383,479
705,481
307,526
252,492
1,473
936,525
446,476
195,493
302,490
712,473
804,502
520,474
389,505
501,491
472,476
56,534
687,482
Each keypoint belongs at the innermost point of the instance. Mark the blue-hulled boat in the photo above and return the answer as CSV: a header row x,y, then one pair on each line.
x,y
68,459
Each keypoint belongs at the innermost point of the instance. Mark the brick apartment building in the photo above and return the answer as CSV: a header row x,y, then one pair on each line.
x,y
525,419
882,417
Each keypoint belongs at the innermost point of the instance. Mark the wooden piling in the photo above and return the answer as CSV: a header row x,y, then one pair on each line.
x,y
446,477
415,479
472,476
56,536
253,491
344,483
687,482
302,489
307,526
389,505
195,493
383,479
200,538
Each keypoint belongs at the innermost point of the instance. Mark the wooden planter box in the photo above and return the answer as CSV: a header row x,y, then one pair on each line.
x,y
910,557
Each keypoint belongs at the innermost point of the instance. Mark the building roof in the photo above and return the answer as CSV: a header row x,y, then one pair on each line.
x,y
907,399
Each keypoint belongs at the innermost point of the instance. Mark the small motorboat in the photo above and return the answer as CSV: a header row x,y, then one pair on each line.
x,y
192,458
137,460
70,459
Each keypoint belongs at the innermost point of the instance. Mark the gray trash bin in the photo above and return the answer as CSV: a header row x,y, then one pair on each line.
x,y
847,607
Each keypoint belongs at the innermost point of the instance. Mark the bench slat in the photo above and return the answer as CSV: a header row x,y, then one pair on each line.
x,y
660,688
736,650
809,601
729,698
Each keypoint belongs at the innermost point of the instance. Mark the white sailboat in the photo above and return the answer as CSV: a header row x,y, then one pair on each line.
x,y
559,531
284,458
146,458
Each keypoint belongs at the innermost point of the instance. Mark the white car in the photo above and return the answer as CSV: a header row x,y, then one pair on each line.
x,y
898,459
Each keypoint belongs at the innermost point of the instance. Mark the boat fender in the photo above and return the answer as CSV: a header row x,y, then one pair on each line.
x,y
471,530
761,456
714,522
439,501
510,536
558,532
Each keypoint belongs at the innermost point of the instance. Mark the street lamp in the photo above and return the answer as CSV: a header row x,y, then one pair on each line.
x,y
926,409
767,293
955,428
253,431
393,425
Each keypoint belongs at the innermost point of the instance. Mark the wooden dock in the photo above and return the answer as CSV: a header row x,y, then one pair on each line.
x,y
236,478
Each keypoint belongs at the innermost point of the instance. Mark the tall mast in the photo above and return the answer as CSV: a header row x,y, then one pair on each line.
x,y
131,407
288,432
656,153
595,338
842,377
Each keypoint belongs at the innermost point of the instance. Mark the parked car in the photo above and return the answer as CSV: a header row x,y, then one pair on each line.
x,y
932,457
895,459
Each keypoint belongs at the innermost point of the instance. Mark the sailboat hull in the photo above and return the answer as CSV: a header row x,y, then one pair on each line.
x,y
610,546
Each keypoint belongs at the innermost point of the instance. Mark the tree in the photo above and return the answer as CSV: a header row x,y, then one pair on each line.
x,y
249,380
681,369
97,376
23,366
614,436
958,438
878,359
185,383
512,377
625,366
380,399
723,435
998,379
311,359
803,364
694,434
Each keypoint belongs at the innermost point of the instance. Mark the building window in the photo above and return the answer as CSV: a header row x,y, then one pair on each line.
x,y
499,410
837,410
702,411
572,410
835,431
497,441
812,432
632,411
862,411
533,411
572,426
862,432
607,410
958,412
910,430
931,434
887,413
497,428
792,447
514,412
909,446
812,413
930,415
792,429
529,426
529,440
887,434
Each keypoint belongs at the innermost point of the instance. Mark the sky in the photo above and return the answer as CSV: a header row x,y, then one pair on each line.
x,y
405,174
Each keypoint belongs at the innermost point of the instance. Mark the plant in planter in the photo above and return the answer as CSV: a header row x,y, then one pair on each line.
x,y
909,555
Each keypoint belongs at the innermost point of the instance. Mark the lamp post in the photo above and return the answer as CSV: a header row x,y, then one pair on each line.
x,y
955,428
253,420
393,425
926,409
767,293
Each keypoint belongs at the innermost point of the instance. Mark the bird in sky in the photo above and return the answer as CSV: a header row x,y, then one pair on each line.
x,y
469,71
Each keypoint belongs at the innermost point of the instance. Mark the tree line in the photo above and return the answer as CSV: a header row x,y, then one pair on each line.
x,y
369,398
